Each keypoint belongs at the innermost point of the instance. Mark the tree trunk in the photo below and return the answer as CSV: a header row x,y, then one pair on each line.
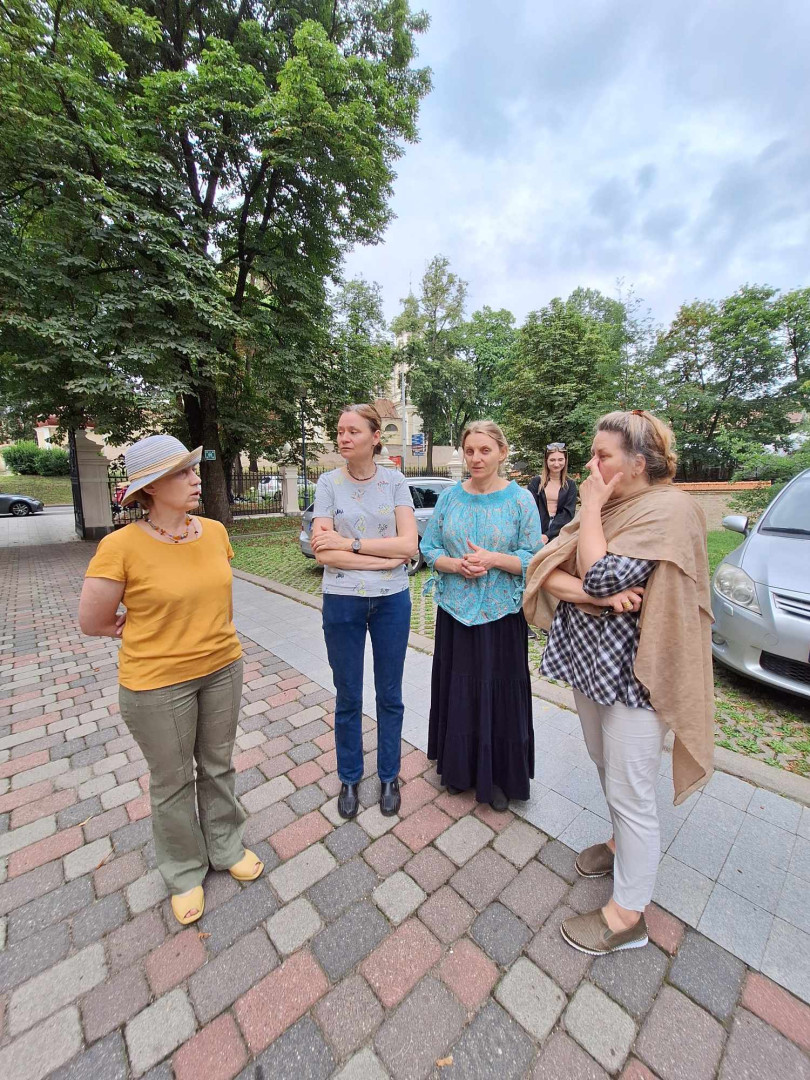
x,y
429,454
201,416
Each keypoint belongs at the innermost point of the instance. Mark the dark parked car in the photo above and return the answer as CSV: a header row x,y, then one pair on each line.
x,y
425,491
20,505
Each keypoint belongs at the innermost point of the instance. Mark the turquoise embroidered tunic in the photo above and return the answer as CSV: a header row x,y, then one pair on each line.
x,y
506,521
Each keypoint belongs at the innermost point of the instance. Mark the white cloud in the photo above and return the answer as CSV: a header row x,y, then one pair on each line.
x,y
664,144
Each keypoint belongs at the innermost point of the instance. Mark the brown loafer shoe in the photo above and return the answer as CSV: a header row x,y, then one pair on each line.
x,y
591,934
596,861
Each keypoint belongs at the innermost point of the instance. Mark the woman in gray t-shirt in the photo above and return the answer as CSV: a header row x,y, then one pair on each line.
x,y
363,534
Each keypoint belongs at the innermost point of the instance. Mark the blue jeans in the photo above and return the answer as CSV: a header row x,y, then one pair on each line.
x,y
388,620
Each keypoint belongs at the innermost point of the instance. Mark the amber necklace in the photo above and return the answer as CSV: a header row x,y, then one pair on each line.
x,y
163,532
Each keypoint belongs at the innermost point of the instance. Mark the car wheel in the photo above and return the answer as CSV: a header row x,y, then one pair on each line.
x,y
20,509
415,564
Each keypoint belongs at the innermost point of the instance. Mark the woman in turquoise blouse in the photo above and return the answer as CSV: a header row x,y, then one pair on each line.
x,y
478,543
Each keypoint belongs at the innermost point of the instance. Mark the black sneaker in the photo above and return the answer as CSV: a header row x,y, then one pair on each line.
x,y
348,801
390,798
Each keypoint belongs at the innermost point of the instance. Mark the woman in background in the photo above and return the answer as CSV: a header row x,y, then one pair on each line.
x,y
554,492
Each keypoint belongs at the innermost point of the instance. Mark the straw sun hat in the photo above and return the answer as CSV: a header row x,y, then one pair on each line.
x,y
149,459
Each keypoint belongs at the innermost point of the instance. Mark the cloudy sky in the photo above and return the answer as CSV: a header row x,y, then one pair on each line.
x,y
575,143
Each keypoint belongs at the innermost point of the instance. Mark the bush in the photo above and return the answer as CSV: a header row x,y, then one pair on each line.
x,y
53,461
22,458
778,469
28,459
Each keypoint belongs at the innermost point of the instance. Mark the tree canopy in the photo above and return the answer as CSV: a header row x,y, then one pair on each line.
x,y
180,182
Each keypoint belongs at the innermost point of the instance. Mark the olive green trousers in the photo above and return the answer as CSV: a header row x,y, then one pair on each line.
x,y
196,819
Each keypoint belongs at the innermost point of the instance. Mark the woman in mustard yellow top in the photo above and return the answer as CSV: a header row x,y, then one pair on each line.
x,y
180,666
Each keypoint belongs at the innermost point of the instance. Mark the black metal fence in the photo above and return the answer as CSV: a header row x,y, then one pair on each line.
x,y
421,470
250,492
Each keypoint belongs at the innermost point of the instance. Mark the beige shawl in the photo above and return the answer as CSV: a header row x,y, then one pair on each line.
x,y
674,658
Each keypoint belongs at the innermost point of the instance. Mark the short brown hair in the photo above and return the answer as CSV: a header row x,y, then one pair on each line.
x,y
644,434
371,417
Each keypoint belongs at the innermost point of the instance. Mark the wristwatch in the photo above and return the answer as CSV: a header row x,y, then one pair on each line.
x,y
356,547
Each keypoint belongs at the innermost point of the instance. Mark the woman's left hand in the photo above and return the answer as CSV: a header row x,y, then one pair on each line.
x,y
329,540
594,492
480,557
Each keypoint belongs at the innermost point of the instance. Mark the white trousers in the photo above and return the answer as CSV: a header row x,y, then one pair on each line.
x,y
625,745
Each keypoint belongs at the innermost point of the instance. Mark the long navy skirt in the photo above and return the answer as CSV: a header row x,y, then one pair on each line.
x,y
480,731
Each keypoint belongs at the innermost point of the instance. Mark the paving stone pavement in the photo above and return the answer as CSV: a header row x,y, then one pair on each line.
x,y
421,946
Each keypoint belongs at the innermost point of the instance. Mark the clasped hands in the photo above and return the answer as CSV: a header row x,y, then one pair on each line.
x,y
477,562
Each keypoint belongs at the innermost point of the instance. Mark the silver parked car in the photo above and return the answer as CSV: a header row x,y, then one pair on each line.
x,y
425,491
20,505
761,594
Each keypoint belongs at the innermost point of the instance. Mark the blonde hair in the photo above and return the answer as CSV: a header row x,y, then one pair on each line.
x,y
644,434
545,473
371,417
485,427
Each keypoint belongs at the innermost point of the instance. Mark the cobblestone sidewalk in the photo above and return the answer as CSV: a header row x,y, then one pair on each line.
x,y
417,946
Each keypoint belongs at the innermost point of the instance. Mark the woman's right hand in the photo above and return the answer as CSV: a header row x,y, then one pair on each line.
x,y
469,570
622,603
394,564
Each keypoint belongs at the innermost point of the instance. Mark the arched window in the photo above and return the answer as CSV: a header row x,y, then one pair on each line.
x,y
391,427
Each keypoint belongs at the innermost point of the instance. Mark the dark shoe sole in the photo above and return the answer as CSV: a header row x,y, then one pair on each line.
x,y
603,952
600,873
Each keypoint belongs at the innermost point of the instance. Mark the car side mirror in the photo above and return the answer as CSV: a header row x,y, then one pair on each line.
x,y
736,523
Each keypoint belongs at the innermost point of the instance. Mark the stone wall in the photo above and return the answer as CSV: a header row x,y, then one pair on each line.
x,y
714,499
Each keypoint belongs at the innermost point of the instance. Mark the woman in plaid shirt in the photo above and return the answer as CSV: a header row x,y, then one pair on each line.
x,y
637,539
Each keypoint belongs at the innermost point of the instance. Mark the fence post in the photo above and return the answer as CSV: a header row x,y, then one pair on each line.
x,y
95,492
289,489
455,466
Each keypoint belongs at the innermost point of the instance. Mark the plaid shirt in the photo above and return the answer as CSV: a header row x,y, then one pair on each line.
x,y
596,654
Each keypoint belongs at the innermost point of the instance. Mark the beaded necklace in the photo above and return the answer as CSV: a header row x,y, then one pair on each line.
x,y
164,532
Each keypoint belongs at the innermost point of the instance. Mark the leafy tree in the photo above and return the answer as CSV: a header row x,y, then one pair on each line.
x,y
725,379
439,384
630,336
793,318
487,344
564,375
358,357
183,181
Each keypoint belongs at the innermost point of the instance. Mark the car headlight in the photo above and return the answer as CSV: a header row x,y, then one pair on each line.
x,y
735,585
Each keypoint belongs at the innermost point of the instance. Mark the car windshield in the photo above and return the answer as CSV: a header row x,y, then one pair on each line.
x,y
790,513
